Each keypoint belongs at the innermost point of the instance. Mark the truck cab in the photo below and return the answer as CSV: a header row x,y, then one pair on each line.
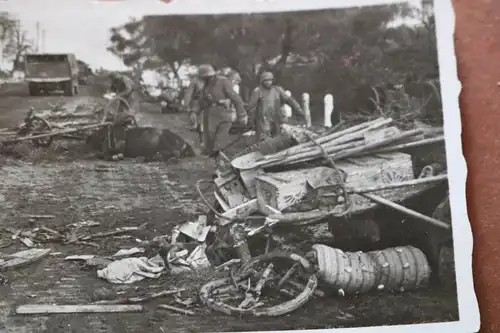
x,y
52,72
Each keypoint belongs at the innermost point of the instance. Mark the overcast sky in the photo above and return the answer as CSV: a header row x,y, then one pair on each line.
x,y
82,26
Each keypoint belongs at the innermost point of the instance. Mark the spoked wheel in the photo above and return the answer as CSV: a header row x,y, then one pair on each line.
x,y
38,125
267,285
112,110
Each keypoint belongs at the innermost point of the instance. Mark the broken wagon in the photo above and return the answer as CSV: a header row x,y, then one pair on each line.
x,y
71,122
377,187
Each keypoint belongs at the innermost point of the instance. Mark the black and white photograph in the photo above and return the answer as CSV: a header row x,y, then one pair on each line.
x,y
232,166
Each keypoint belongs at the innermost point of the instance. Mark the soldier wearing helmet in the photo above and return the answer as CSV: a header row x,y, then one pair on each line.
x,y
265,107
216,100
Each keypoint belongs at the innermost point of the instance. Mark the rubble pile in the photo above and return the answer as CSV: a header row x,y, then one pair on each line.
x,y
331,173
242,254
304,178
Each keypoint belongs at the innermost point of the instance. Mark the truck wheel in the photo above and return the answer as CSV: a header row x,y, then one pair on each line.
x,y
34,90
77,90
69,89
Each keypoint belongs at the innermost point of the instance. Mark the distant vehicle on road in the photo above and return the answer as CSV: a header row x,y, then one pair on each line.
x,y
50,72
84,72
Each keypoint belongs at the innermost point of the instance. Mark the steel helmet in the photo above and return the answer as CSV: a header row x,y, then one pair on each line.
x,y
206,70
235,77
266,76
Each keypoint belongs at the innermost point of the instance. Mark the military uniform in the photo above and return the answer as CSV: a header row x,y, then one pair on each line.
x,y
216,100
265,108
192,97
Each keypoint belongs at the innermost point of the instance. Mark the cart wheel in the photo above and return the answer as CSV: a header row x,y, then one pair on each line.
x,y
112,116
264,286
38,125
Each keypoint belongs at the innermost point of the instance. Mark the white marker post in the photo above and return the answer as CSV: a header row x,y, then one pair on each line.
x,y
307,110
286,108
328,100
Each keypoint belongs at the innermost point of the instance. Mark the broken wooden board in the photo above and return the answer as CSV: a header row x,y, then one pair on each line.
x,y
86,308
231,189
284,189
23,258
242,211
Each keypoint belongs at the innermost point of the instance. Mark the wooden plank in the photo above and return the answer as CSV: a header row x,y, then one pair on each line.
x,y
381,134
85,308
176,309
406,211
23,258
242,211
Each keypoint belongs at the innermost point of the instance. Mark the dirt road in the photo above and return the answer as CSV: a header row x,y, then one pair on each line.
x,y
130,194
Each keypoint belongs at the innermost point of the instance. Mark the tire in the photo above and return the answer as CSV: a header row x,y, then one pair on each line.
x,y
77,89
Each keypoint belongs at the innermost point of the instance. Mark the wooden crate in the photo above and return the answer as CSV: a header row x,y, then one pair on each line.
x,y
284,189
376,170
249,178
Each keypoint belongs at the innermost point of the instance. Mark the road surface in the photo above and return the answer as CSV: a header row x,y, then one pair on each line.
x,y
65,183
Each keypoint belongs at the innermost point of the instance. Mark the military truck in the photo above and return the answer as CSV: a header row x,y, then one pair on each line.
x,y
51,72
84,72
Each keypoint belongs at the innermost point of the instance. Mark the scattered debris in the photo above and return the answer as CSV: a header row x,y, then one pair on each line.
x,y
128,252
92,308
23,258
176,309
196,230
41,217
130,270
84,257
28,242
141,299
86,224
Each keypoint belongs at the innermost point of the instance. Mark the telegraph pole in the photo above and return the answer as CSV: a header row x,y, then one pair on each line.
x,y
43,40
37,44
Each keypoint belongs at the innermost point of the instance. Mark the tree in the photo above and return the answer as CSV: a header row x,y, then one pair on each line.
x,y
7,24
17,45
335,51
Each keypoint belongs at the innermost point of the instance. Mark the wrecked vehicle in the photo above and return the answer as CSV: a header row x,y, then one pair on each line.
x,y
113,135
303,179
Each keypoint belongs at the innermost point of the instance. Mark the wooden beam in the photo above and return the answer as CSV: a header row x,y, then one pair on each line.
x,y
407,211
86,308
